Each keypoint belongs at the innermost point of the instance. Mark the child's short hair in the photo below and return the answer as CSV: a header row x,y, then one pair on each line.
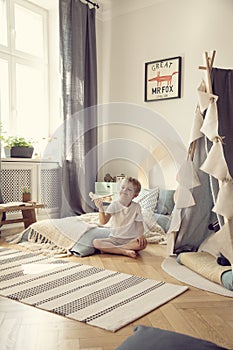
x,y
136,184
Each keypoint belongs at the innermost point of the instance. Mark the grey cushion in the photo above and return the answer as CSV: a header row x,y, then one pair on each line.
x,y
84,246
148,338
165,202
163,221
227,279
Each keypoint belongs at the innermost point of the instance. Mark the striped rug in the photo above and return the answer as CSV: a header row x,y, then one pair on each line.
x,y
99,297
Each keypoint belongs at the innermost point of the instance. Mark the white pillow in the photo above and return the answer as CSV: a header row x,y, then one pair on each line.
x,y
152,231
150,222
148,198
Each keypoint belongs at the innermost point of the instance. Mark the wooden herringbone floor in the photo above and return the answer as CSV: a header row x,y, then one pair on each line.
x,y
196,313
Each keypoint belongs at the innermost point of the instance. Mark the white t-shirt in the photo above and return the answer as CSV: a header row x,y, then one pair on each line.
x,y
124,219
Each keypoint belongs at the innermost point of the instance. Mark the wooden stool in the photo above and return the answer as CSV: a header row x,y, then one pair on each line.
x,y
27,211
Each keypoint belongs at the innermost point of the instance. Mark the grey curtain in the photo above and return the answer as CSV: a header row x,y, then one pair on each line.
x,y
1,198
79,84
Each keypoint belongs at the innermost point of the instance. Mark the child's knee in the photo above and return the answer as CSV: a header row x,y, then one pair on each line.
x,y
96,243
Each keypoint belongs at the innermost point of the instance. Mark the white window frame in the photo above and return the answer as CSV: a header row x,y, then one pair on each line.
x,y
14,56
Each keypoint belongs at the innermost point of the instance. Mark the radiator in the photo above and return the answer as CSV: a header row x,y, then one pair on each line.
x,y
43,179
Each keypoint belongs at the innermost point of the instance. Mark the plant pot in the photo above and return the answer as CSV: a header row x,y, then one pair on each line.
x,y
7,152
26,197
21,152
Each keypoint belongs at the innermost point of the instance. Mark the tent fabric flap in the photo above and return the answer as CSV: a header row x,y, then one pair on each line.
x,y
205,191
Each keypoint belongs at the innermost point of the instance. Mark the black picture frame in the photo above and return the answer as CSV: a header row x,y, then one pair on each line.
x,y
163,79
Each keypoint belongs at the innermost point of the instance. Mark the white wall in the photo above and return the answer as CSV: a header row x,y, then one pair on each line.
x,y
165,29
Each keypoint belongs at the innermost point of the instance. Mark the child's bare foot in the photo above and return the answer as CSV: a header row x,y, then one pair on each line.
x,y
130,253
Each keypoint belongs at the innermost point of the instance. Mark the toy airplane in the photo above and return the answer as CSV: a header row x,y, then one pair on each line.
x,y
94,196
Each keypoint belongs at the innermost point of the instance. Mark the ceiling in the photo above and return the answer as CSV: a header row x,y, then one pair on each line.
x,y
114,8
107,8
50,4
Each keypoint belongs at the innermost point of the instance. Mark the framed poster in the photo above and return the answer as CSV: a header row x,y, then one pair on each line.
x,y
163,79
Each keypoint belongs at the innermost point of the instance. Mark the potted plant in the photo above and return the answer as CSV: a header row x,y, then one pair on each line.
x,y
19,146
3,140
26,194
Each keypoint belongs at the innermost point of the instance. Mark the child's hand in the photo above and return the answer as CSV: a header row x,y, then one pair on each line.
x,y
142,242
99,203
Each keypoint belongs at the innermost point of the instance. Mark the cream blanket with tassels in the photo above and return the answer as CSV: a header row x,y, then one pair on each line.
x,y
56,236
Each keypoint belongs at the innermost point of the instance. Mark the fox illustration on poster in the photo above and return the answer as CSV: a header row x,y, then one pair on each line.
x,y
163,79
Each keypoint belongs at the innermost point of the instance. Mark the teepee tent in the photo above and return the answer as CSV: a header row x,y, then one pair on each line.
x,y
204,196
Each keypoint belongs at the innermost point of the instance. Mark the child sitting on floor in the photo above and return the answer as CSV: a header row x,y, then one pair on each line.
x,y
126,236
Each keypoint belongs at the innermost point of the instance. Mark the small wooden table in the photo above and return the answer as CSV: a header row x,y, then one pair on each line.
x,y
27,211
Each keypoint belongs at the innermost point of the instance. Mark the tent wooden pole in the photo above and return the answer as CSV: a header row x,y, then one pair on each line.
x,y
208,67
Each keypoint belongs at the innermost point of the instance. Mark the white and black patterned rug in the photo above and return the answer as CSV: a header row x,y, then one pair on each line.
x,y
99,297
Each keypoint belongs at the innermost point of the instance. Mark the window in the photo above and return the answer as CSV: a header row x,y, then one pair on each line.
x,y
29,41
24,69
3,23
4,93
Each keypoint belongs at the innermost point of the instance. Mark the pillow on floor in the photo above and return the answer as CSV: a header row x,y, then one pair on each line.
x,y
163,221
227,279
148,198
84,246
148,338
166,202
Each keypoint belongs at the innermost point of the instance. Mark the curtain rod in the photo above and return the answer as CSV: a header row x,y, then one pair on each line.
x,y
93,3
